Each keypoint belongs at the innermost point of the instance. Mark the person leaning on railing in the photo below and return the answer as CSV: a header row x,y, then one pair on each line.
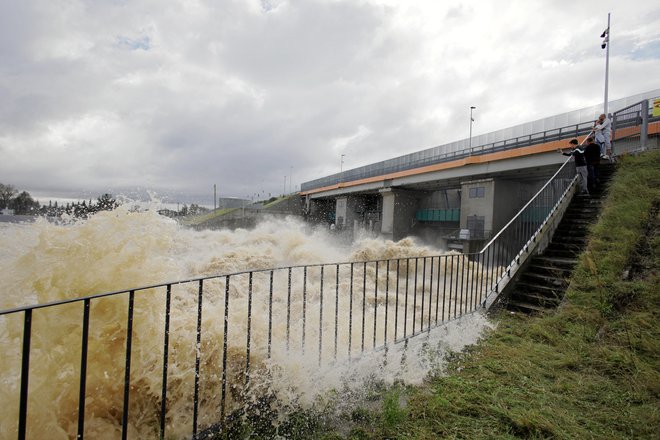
x,y
603,130
580,164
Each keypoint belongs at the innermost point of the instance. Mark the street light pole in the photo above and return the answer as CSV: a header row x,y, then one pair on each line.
x,y
606,40
341,168
471,121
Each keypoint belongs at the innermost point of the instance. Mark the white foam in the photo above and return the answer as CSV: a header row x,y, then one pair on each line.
x,y
44,262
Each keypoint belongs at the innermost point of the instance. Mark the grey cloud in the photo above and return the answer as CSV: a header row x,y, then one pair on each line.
x,y
142,42
177,96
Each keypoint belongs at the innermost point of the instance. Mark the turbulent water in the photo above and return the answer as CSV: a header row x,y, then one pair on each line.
x,y
44,262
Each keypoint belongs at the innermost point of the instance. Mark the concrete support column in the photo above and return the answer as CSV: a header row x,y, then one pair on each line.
x,y
387,219
399,208
349,211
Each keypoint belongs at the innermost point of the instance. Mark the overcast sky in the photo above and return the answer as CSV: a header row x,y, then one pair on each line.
x,y
177,95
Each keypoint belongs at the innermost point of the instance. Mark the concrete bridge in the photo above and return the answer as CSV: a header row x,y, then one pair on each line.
x,y
453,196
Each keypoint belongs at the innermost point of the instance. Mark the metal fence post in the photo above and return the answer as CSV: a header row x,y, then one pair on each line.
x,y
644,130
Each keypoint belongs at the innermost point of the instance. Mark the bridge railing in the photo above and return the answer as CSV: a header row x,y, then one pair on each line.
x,y
405,163
178,358
630,128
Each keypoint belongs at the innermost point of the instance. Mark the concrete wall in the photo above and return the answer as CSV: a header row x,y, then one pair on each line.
x,y
321,211
507,201
441,199
341,209
349,209
501,200
479,206
399,208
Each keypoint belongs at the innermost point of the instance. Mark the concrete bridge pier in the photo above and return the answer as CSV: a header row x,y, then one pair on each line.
x,y
358,212
398,212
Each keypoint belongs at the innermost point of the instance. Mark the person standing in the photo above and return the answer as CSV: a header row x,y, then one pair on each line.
x,y
592,156
603,131
580,165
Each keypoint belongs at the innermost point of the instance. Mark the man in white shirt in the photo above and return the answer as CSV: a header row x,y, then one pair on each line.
x,y
603,131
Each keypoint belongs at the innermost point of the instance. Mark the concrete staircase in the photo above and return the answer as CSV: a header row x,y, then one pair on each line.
x,y
543,282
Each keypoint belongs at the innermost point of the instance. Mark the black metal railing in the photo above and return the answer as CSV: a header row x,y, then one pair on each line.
x,y
630,127
173,359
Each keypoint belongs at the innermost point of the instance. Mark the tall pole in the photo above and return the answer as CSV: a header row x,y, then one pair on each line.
x,y
215,198
284,193
341,167
471,121
290,179
606,46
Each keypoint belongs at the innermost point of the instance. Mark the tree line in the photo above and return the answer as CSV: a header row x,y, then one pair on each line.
x,y
22,203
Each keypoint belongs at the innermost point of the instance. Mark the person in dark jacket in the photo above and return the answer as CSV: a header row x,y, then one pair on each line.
x,y
580,165
592,155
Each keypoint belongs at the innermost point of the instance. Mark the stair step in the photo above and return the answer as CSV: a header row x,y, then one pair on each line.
x,y
568,253
568,224
544,280
569,240
554,262
537,299
524,307
590,206
565,246
533,287
577,221
572,230
574,248
580,215
554,271
593,206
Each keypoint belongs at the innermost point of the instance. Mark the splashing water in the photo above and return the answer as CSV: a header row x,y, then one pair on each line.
x,y
44,262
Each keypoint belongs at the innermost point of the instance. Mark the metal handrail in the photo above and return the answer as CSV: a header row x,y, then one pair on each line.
x,y
519,213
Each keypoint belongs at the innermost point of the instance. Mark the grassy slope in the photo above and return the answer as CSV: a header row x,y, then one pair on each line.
x,y
199,219
278,201
590,369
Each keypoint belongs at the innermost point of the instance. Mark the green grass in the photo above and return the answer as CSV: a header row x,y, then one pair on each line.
x,y
199,219
278,200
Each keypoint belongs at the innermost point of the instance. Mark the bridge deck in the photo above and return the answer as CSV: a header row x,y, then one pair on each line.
x,y
654,129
